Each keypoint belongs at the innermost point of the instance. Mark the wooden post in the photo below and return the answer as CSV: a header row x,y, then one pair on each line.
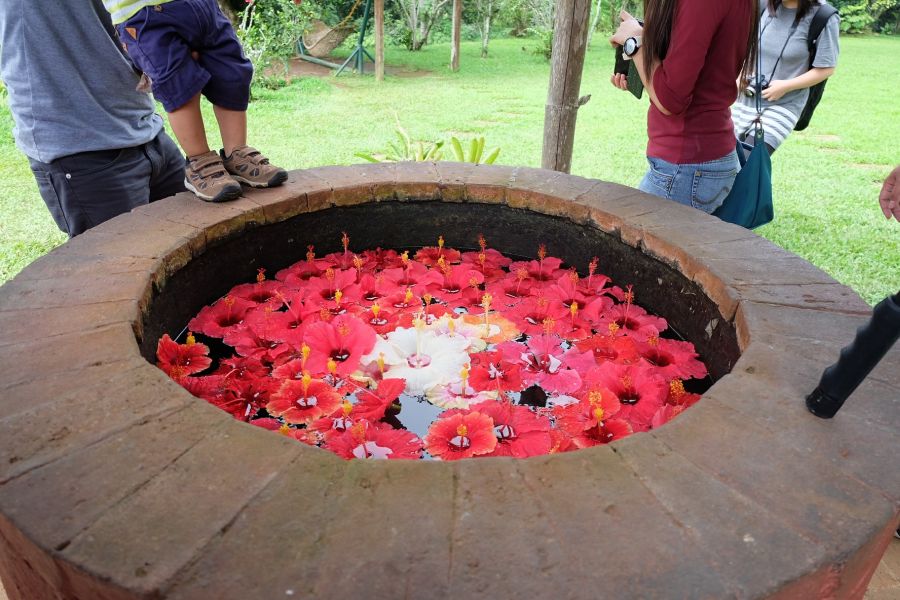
x,y
569,44
457,27
379,40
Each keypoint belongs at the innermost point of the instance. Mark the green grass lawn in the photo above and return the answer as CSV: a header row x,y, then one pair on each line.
x,y
826,179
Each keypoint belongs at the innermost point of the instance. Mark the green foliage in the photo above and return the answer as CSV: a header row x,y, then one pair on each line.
x,y
544,47
269,31
859,16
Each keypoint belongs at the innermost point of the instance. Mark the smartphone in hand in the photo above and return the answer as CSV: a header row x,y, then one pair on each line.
x,y
625,66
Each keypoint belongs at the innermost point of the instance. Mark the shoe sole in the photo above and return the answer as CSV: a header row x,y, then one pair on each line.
x,y
276,180
224,196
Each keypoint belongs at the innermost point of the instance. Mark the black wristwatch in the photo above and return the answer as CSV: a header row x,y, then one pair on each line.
x,y
631,46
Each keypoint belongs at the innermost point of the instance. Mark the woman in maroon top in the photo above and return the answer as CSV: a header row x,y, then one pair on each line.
x,y
690,55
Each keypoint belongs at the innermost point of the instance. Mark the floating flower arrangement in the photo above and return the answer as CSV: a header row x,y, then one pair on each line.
x,y
443,354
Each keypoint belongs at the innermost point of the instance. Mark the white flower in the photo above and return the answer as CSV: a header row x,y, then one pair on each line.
x,y
453,396
421,357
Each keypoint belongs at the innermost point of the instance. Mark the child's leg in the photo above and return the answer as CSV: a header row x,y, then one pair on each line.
x,y
187,124
233,127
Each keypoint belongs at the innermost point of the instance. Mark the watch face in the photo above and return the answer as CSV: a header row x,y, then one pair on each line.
x,y
630,46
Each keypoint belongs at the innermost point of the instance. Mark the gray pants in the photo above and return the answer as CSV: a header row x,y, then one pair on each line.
x,y
85,189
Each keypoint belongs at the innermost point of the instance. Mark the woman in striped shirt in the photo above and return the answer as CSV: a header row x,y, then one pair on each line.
x,y
786,75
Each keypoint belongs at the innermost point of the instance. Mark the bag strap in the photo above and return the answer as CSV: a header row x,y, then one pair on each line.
x,y
819,20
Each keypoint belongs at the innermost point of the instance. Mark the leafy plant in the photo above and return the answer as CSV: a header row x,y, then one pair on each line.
x,y
406,149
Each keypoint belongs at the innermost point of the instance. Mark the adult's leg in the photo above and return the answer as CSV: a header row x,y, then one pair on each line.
x,y
167,178
83,190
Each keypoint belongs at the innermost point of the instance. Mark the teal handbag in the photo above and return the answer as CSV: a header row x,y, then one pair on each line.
x,y
750,202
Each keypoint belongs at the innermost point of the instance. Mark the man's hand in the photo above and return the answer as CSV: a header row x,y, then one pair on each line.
x,y
776,90
889,198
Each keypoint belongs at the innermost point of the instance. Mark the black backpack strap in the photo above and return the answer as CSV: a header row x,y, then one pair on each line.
x,y
819,20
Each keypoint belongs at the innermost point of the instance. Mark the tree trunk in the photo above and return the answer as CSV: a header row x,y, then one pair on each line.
x,y
379,40
569,45
457,26
595,20
486,28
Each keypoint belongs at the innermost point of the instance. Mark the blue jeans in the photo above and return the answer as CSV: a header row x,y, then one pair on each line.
x,y
702,185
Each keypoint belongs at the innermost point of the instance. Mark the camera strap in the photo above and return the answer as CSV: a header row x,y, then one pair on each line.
x,y
794,26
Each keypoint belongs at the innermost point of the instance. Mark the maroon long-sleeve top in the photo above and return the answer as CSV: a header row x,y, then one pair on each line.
x,y
696,81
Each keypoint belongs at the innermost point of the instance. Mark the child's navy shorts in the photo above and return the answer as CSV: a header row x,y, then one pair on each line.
x,y
160,39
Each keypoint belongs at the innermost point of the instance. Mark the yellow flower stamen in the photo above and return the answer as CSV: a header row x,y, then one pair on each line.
x,y
345,240
542,251
376,308
598,414
428,298
676,388
357,262
190,340
346,408
381,362
595,397
408,297
462,431
338,294
549,325
613,328
310,253
284,430
440,241
329,274
332,366
573,309
653,340
305,380
260,275
464,375
304,353
482,243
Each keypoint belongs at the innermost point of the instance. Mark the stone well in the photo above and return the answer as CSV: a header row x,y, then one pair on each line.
x,y
115,483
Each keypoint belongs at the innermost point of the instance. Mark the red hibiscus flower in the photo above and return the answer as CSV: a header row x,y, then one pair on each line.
x,y
369,441
303,401
267,423
225,315
373,405
180,360
672,359
344,340
413,275
458,285
378,259
632,320
404,302
678,397
589,422
641,391
542,270
461,436
327,428
512,289
492,372
249,396
242,367
295,275
321,290
370,289
537,315
560,441
257,341
542,362
519,432
264,292
488,262
619,349
381,320
666,413
431,255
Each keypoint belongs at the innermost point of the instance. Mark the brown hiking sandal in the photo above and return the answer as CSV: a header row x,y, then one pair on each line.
x,y
249,166
205,175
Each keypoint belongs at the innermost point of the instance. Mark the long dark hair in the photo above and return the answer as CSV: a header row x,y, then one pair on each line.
x,y
659,15
803,7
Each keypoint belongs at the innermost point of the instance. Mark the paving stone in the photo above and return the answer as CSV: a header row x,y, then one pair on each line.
x,y
286,524
349,185
453,177
550,193
53,503
803,490
27,572
620,541
417,181
488,184
34,359
88,414
28,325
141,542
736,534
289,199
